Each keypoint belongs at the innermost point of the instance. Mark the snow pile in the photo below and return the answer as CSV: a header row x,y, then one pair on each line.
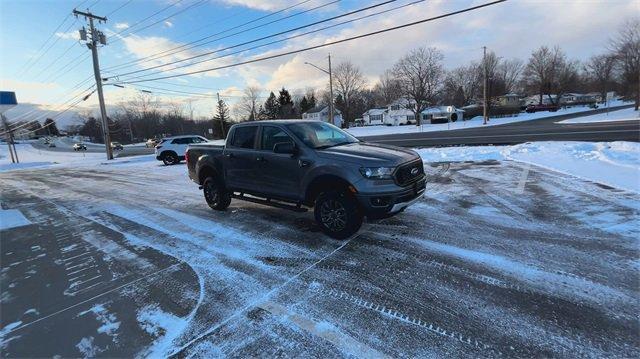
x,y
616,164
164,327
11,218
628,114
30,157
469,123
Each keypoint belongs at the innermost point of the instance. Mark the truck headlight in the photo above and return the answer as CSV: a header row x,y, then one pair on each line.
x,y
377,172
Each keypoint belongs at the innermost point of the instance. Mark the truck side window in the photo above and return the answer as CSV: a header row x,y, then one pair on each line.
x,y
244,137
272,135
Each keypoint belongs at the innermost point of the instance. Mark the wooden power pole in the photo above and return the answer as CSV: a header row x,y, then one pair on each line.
x,y
97,37
485,113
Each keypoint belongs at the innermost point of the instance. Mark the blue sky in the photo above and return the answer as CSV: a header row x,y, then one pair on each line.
x,y
512,29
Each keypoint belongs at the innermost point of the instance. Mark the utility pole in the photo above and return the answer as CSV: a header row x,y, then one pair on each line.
x,y
10,144
97,37
328,72
331,106
484,87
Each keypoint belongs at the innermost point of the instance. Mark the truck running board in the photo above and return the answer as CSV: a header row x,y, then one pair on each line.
x,y
269,202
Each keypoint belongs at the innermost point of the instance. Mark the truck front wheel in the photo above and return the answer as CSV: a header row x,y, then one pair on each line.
x,y
338,214
216,196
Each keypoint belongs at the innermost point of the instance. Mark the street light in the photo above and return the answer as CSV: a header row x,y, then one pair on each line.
x,y
331,118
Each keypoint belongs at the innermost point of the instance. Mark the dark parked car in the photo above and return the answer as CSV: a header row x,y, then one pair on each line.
x,y
543,107
298,164
116,146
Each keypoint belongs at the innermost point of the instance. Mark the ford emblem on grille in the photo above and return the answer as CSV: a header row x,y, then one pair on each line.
x,y
414,171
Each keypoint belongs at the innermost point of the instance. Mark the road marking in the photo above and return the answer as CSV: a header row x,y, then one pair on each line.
x,y
523,179
257,301
95,297
340,340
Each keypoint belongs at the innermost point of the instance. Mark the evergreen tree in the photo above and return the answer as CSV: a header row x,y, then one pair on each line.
x,y
305,105
312,101
271,108
51,128
222,118
285,104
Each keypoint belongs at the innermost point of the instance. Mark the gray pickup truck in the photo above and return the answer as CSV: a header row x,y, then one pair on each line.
x,y
300,164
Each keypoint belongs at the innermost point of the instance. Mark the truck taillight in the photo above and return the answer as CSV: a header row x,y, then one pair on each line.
x,y
186,156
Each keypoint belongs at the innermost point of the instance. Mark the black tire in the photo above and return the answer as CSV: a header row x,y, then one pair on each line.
x,y
214,193
337,214
170,158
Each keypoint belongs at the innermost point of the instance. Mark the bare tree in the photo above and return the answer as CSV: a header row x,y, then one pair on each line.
x,y
387,89
349,81
249,104
599,70
509,72
420,73
626,48
543,70
462,84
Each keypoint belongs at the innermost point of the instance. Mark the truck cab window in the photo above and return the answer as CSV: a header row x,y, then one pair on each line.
x,y
244,137
272,135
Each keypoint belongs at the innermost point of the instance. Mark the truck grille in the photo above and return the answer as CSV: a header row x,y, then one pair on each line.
x,y
409,173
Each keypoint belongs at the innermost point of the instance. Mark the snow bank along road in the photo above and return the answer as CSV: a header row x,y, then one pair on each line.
x,y
498,259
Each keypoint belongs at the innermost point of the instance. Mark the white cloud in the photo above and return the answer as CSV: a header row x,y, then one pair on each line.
x,y
266,5
71,35
168,24
121,25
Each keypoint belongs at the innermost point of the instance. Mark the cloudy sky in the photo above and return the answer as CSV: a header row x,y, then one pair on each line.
x,y
49,69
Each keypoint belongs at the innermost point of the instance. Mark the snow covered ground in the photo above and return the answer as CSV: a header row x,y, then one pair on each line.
x,y
628,114
616,164
471,123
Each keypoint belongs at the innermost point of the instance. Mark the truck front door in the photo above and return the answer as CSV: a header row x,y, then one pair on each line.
x,y
280,173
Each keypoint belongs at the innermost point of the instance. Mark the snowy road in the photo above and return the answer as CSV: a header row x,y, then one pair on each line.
x,y
499,258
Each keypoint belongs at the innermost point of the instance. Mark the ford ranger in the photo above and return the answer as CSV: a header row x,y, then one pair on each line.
x,y
300,164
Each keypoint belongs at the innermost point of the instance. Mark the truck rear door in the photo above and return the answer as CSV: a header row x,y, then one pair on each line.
x,y
239,159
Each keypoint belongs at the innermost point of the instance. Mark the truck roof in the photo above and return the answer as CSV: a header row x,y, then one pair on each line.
x,y
294,120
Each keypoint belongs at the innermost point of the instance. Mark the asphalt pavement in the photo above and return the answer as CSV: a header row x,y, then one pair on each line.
x,y
497,259
545,129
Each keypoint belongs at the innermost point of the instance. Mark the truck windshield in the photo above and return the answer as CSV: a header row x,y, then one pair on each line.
x,y
320,134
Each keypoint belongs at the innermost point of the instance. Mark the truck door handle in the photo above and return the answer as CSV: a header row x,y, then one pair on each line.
x,y
230,155
260,159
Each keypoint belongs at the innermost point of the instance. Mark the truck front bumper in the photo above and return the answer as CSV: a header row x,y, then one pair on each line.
x,y
380,205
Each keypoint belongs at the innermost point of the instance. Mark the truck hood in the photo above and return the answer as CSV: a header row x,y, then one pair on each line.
x,y
369,154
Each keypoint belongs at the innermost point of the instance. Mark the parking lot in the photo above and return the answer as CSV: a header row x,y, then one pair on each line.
x,y
497,259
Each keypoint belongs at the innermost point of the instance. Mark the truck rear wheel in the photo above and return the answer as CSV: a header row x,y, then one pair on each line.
x,y
338,214
216,196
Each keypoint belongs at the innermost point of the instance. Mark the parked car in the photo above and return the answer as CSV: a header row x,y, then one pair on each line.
x,y
171,149
300,164
535,108
152,142
116,146
79,146
51,144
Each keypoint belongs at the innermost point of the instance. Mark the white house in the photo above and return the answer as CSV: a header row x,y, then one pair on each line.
x,y
508,100
399,112
439,114
322,114
374,116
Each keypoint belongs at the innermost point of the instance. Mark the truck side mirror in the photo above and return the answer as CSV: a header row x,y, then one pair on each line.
x,y
285,147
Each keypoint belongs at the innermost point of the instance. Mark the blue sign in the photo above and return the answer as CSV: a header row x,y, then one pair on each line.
x,y
8,98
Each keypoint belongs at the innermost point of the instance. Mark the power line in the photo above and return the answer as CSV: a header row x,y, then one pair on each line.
x,y
149,17
153,57
118,8
269,43
324,44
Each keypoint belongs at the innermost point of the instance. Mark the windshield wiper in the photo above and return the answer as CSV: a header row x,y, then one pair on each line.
x,y
333,145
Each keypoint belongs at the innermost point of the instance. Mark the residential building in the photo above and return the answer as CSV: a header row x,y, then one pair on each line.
x,y
508,100
374,116
321,113
400,112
